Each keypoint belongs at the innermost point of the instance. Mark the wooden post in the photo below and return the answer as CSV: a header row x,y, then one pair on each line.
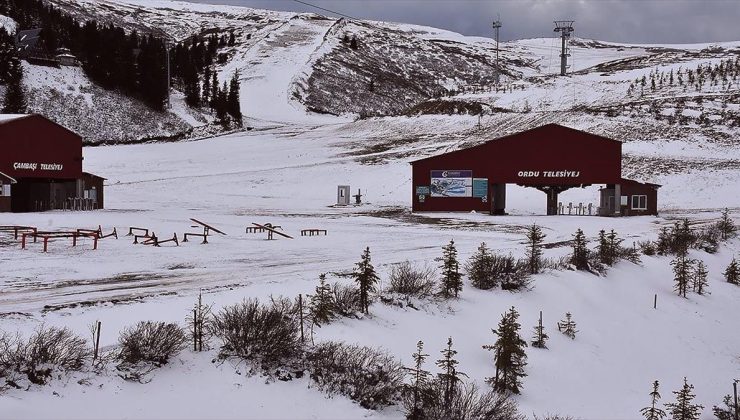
x,y
539,334
97,340
300,309
195,329
655,301
734,390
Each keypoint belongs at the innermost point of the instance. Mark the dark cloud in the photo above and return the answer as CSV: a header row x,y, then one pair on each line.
x,y
637,21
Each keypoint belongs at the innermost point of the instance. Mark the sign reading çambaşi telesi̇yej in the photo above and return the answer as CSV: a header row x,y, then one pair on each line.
x,y
32,166
451,184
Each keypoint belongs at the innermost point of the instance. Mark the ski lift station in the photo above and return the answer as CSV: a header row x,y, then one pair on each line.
x,y
41,167
551,158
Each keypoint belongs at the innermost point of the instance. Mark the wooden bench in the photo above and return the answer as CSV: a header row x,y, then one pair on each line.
x,y
47,235
261,228
132,229
312,232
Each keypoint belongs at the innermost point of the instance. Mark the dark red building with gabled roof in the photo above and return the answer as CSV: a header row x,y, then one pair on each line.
x,y
551,158
41,167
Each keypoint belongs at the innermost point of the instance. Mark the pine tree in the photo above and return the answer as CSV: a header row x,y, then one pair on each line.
x,y
732,273
653,412
222,108
322,303
232,39
7,53
451,276
535,237
214,91
509,355
419,382
726,225
233,105
449,377
15,96
353,43
728,411
478,268
568,326
683,409
579,257
682,267
540,336
366,279
699,278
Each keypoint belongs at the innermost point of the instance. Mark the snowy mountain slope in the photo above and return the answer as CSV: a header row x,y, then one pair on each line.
x,y
295,65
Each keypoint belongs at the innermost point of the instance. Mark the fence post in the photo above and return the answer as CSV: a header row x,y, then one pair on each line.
x,y
655,301
300,309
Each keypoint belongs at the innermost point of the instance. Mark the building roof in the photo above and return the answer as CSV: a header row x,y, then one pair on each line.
x,y
551,128
632,181
8,178
10,117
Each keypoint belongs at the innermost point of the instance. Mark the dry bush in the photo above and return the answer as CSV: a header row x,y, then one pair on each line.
x,y
151,342
467,402
47,349
346,299
371,377
412,280
267,334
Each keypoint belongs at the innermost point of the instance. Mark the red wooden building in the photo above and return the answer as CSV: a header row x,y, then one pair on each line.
x,y
41,167
550,158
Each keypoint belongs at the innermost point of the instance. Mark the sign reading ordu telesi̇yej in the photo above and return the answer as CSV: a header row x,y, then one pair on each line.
x,y
548,174
32,166
451,184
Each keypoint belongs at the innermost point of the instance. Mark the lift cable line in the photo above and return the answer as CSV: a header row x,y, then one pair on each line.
x,y
324,9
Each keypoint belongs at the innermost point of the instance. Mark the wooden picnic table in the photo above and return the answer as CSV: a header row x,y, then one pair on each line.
x,y
312,232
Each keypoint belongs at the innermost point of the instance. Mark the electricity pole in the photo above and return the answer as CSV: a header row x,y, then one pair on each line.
x,y
496,26
167,53
565,27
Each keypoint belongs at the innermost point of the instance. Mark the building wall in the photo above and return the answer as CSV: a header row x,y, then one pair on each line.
x,y
28,143
550,155
630,189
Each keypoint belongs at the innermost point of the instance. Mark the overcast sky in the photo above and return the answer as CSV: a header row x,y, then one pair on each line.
x,y
638,21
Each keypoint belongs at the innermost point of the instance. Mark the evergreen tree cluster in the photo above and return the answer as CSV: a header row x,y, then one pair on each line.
x,y
687,273
134,63
487,270
11,75
447,396
705,76
193,73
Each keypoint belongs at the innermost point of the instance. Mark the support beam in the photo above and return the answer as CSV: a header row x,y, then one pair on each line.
x,y
498,195
552,196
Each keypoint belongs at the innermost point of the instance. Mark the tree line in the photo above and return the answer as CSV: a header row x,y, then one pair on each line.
x,y
134,63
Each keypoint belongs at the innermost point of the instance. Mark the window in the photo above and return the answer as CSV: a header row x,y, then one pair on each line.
x,y
639,202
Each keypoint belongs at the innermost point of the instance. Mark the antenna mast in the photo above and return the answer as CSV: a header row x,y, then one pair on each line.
x,y
565,27
496,26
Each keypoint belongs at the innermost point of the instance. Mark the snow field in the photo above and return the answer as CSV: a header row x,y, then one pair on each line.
x,y
289,177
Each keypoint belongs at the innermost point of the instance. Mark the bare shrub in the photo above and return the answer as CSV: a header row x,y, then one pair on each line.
x,y
466,402
47,349
412,280
346,299
371,377
553,417
266,334
556,264
151,342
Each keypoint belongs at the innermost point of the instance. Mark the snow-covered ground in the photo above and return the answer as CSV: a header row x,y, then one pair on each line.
x,y
288,177
286,171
